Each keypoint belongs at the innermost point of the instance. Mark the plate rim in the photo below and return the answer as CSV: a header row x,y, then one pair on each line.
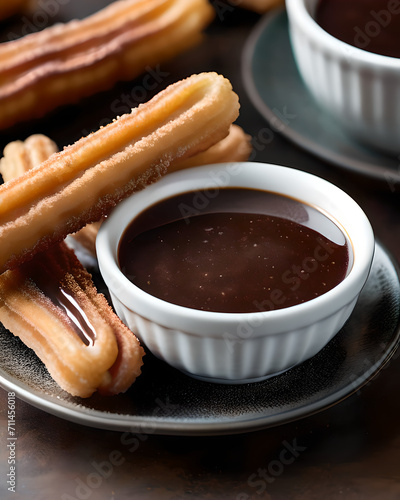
x,y
184,427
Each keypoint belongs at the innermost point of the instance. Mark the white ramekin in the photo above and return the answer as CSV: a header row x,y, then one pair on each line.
x,y
237,347
360,89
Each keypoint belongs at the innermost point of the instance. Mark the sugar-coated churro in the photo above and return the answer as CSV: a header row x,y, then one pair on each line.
x,y
85,181
21,156
234,147
66,62
52,304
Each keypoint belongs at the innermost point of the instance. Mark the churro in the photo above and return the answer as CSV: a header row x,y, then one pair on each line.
x,y
82,183
51,303
236,146
66,62
21,156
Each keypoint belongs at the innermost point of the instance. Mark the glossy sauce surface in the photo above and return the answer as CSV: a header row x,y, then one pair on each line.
x,y
241,250
63,299
371,25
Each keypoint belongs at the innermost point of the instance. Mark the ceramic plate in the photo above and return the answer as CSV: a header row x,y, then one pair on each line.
x,y
276,89
165,401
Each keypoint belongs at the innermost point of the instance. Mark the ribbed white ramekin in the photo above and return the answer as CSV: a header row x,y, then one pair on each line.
x,y
243,347
360,89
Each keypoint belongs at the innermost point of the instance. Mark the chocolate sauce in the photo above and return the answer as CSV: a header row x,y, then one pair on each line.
x,y
62,298
372,25
80,322
234,250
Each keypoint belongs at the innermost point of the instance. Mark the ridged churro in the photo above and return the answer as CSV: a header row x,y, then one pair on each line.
x,y
235,147
22,156
52,304
66,62
85,181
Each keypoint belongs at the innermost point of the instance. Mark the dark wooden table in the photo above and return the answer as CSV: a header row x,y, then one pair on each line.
x,y
349,451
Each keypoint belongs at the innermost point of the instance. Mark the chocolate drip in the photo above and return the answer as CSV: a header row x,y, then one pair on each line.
x,y
45,277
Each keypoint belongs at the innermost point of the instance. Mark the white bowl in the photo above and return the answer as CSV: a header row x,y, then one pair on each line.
x,y
237,347
360,89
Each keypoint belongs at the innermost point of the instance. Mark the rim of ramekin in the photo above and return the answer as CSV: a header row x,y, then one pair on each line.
x,y
199,322
299,14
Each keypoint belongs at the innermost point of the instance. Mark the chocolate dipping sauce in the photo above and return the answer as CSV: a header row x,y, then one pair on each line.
x,y
244,250
372,25
61,297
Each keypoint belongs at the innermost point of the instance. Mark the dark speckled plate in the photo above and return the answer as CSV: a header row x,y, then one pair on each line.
x,y
165,401
276,89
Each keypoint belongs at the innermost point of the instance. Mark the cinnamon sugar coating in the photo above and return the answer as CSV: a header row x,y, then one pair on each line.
x,y
82,183
236,146
52,304
66,62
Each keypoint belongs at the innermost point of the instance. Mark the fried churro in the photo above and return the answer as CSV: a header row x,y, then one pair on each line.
x,y
21,156
52,304
66,62
82,183
235,147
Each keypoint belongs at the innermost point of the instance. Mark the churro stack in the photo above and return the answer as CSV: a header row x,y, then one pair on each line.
x,y
66,62
236,146
85,181
48,195
47,298
52,304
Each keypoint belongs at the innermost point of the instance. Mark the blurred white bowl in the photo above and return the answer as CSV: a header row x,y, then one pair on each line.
x,y
360,89
237,347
